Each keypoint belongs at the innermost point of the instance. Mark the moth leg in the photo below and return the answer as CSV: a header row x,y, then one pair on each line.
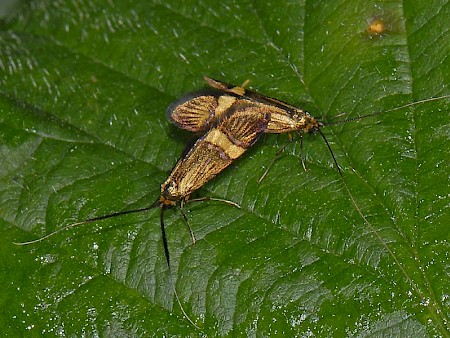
x,y
240,90
302,156
187,221
245,83
207,198
201,199
277,155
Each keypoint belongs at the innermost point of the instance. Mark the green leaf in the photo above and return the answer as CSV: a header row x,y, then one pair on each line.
x,y
84,88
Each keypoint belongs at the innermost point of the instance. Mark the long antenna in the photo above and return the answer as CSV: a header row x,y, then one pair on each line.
x,y
166,253
331,151
89,220
390,110
163,235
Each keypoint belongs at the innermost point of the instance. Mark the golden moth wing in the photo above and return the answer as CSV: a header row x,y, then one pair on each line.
x,y
245,121
198,111
202,163
284,117
215,151
250,95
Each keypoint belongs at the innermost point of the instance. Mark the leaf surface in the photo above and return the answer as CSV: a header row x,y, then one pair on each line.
x,y
83,91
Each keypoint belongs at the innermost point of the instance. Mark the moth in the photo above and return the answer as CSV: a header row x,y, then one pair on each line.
x,y
230,119
234,132
198,111
237,129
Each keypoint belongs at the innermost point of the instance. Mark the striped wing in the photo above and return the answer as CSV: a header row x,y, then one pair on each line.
x,y
240,127
200,111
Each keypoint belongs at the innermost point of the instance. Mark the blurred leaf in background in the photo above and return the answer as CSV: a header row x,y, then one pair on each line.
x,y
84,86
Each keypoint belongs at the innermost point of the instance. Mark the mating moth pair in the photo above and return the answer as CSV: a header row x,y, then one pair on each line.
x,y
230,119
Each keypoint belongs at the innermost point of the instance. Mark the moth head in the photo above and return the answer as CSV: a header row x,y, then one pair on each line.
x,y
308,124
169,194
